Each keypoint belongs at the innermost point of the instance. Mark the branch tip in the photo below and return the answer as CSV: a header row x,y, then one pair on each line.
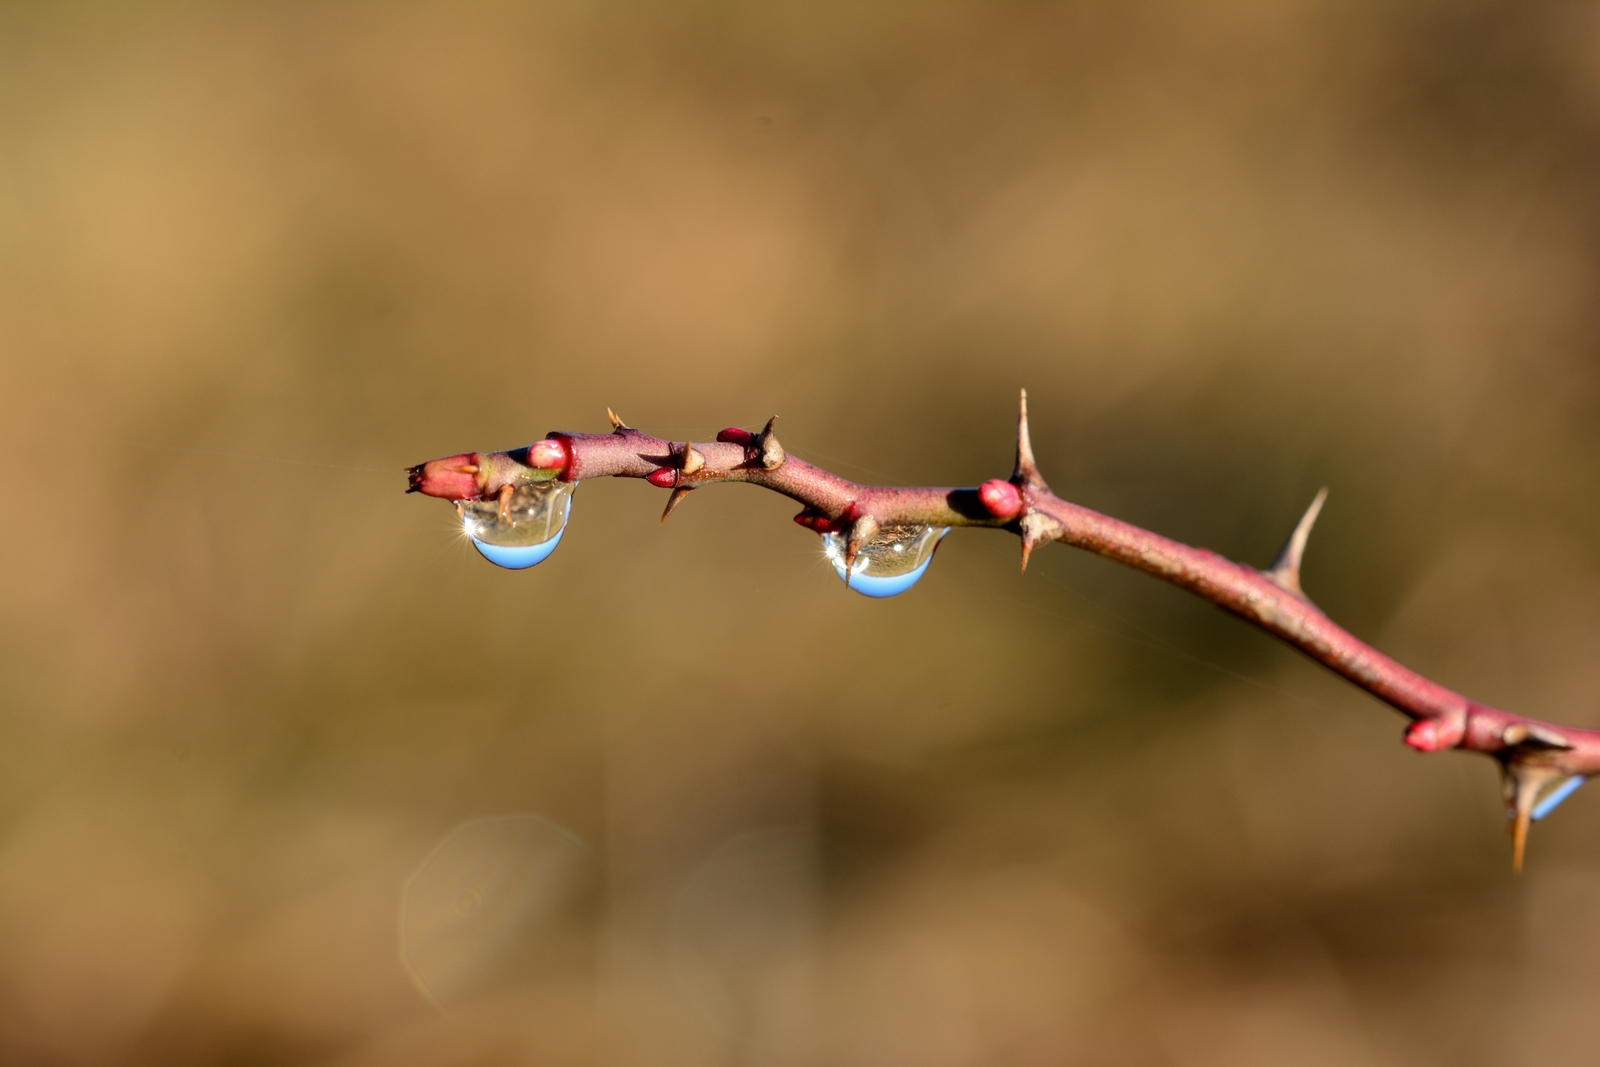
x,y
1285,570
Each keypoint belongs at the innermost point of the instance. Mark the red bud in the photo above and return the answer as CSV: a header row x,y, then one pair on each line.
x,y
1001,498
451,478
812,519
735,436
549,454
665,478
1431,735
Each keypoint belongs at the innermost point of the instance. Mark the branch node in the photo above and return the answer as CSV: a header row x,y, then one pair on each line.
x,y
769,453
1285,570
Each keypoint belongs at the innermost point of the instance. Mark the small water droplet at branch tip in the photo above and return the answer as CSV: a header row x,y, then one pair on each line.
x,y
521,527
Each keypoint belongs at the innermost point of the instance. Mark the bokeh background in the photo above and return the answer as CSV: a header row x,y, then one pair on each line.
x,y
254,260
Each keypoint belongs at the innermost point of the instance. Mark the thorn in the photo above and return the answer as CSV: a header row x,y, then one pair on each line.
x,y
861,531
672,501
1036,530
1522,783
1026,472
616,423
768,450
693,459
1285,570
505,502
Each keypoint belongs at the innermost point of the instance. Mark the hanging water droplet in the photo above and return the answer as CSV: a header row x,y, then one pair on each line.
x,y
527,530
1556,796
890,562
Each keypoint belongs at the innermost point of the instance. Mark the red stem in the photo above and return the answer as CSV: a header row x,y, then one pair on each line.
x,y
1533,754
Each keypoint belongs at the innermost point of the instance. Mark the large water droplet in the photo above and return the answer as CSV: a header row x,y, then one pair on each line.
x,y
529,528
890,562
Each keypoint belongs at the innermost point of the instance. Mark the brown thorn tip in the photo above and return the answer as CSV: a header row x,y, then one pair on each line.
x,y
768,450
1027,470
1027,550
616,423
1519,840
672,501
1285,570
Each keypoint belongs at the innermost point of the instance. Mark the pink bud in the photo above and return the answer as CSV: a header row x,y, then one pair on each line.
x,y
451,478
1001,498
664,478
549,454
1431,735
735,436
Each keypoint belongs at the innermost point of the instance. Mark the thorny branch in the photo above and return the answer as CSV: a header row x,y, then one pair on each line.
x,y
1540,762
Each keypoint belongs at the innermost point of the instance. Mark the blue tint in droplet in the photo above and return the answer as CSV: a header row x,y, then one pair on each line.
x,y
526,531
1560,793
516,557
891,562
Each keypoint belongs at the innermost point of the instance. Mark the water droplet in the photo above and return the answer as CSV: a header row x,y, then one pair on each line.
x,y
890,562
476,914
1556,796
531,528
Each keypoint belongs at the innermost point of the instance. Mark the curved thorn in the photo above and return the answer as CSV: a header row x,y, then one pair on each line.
x,y
861,531
1285,570
693,459
672,501
616,423
768,450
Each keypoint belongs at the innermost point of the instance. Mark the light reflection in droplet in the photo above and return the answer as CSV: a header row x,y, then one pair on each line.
x,y
1556,796
890,562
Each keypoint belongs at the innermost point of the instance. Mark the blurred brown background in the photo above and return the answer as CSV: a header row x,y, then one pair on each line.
x,y
255,260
